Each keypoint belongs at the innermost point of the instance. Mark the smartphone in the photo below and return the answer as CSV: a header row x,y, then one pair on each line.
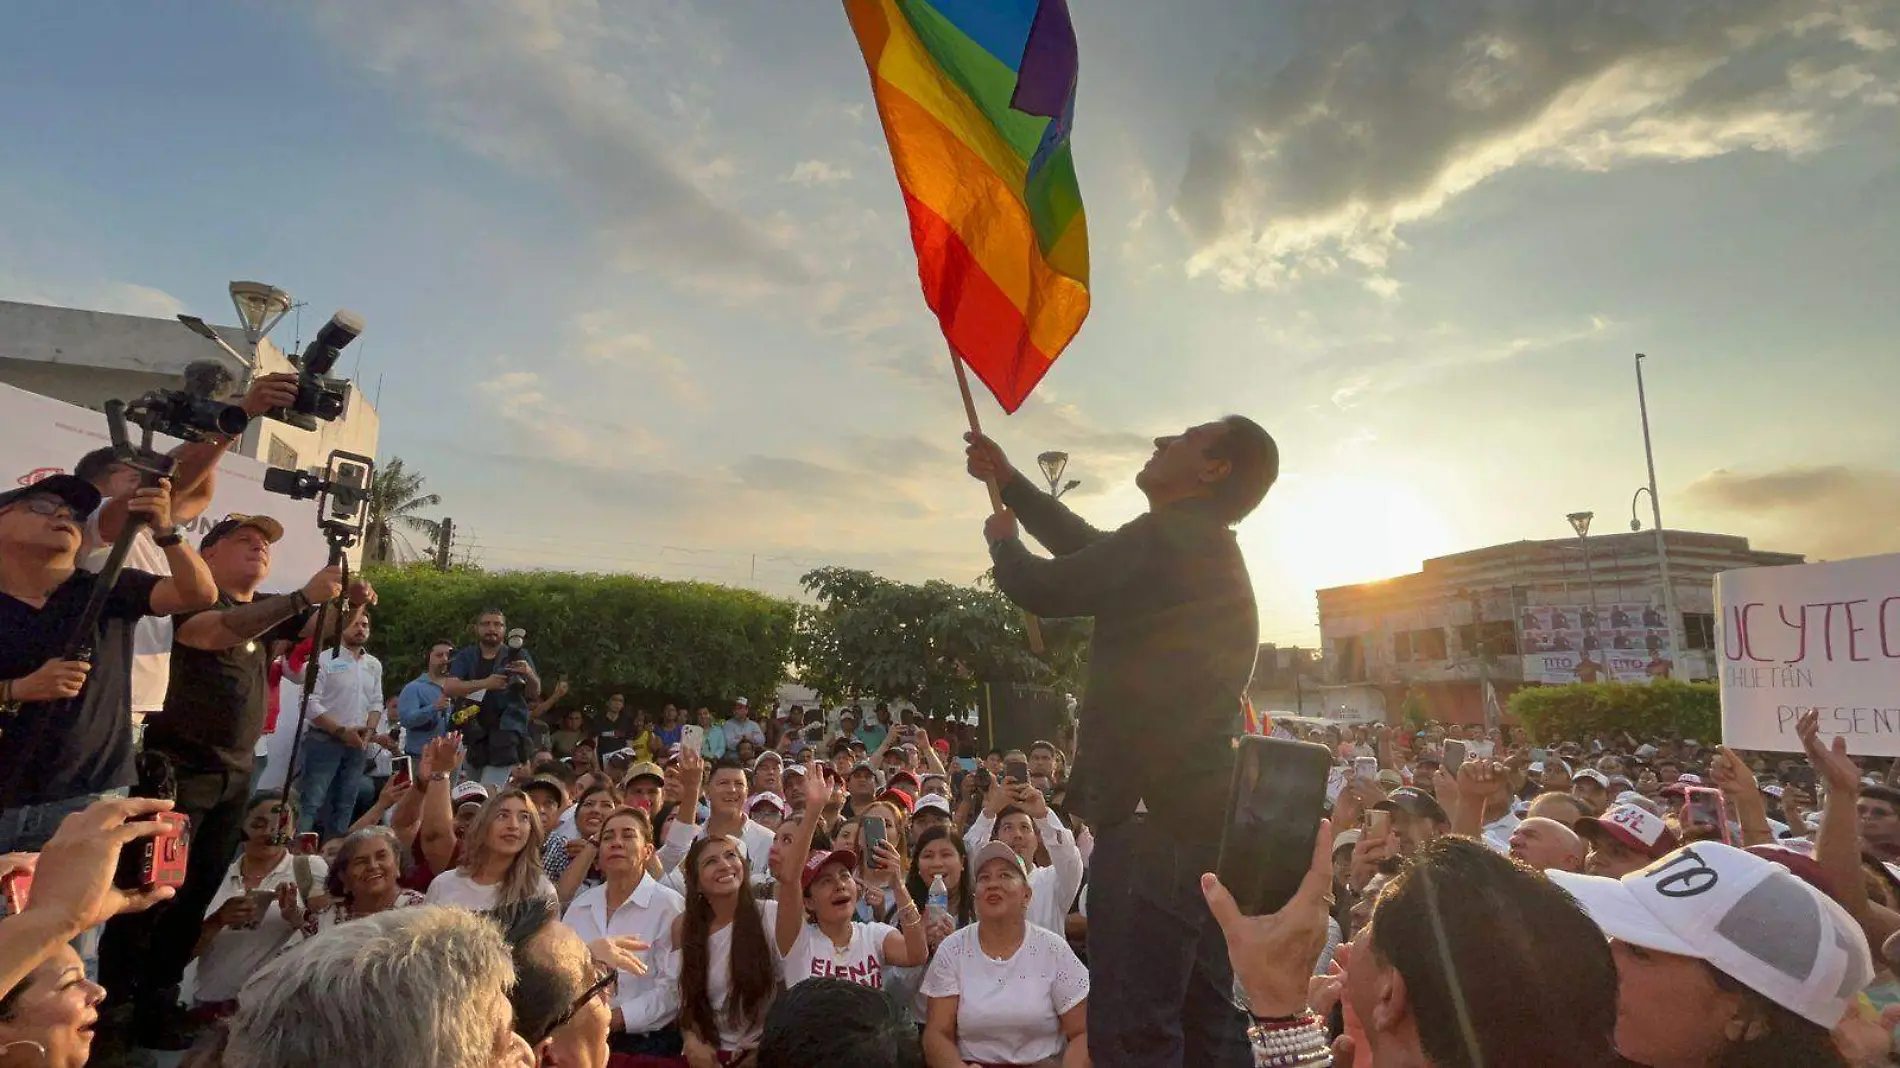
x,y
309,844
872,836
1703,806
692,737
1274,805
1482,750
1366,768
1378,824
15,890
1454,756
1017,770
1540,755
402,770
149,863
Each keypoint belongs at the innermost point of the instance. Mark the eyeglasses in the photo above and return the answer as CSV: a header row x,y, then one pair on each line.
x,y
606,979
50,507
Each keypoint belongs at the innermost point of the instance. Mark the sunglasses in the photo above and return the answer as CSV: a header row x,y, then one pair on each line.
x,y
605,980
50,507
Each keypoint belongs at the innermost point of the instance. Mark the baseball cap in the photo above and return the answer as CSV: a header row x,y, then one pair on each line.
x,y
1347,839
646,769
1637,828
864,765
1415,802
995,850
817,861
899,777
932,803
1390,779
1749,917
469,791
81,496
769,754
901,798
941,745
769,798
272,530
743,702
1593,775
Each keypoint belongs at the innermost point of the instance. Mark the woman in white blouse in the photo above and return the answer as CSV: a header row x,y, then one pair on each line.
x,y
1004,991
629,905
258,907
724,961
362,882
501,859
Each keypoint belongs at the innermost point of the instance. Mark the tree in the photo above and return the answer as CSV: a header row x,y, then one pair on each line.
x,y
1664,708
394,499
933,644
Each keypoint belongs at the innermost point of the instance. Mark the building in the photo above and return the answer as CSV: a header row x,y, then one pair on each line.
x,y
87,358
1530,612
1290,684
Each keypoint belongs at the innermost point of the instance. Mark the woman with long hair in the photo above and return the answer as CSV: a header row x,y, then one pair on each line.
x,y
569,859
362,882
940,852
501,859
258,907
878,901
822,888
1004,990
728,972
631,905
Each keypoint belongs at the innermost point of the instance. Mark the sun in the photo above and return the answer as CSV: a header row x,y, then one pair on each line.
x,y
1338,529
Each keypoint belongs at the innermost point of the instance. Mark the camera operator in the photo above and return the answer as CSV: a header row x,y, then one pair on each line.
x,y
194,483
208,730
504,681
65,725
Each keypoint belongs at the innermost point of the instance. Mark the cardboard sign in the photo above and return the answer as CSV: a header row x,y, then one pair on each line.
x,y
1824,636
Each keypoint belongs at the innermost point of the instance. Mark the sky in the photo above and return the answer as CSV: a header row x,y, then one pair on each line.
x,y
639,293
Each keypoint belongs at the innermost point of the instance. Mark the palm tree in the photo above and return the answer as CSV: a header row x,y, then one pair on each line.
x,y
394,499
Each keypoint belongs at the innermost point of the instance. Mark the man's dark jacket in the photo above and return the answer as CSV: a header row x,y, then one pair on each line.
x,y
1176,633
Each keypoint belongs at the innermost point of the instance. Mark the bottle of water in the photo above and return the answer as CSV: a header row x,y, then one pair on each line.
x,y
938,903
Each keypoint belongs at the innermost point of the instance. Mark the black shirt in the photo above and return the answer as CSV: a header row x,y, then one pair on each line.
x,y
214,709
53,750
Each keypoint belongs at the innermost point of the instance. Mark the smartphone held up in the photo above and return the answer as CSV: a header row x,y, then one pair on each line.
x,y
148,863
1274,807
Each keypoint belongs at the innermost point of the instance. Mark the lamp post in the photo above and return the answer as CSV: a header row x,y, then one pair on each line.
x,y
1580,522
1674,619
1053,464
260,308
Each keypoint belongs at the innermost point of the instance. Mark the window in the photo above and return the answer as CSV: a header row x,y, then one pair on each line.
x,y
1425,644
279,454
1698,630
1351,661
1500,638
1402,646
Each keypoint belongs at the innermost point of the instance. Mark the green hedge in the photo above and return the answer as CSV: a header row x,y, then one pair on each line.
x,y
650,639
1666,708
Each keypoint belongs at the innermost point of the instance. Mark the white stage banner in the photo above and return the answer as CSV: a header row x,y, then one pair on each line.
x,y
40,436
1823,636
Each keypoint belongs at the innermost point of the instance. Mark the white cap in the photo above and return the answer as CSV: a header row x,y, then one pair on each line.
x,y
933,803
1631,797
1747,916
1594,776
767,797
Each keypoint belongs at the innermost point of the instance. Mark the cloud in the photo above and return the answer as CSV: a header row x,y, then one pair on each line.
x,y
553,88
1829,512
817,172
604,339
1391,111
537,425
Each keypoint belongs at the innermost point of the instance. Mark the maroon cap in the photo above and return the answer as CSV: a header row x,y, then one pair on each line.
x,y
817,862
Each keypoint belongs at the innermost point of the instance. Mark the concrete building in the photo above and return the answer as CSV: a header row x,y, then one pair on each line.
x,y
87,358
1527,613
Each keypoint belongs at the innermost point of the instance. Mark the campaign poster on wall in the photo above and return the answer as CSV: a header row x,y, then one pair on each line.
x,y
1623,642
1811,636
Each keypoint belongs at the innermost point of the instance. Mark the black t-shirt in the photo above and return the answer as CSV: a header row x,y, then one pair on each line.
x,y
52,750
214,709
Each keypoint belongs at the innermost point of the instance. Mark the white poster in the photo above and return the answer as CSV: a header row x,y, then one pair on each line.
x,y
1823,636
40,436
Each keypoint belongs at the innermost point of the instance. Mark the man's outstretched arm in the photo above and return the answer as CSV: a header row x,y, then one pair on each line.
x,y
1077,584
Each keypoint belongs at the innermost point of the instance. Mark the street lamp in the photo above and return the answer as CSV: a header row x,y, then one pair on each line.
x,y
1580,522
260,308
1655,510
1053,464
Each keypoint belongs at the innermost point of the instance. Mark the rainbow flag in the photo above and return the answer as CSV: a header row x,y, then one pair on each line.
x,y
977,98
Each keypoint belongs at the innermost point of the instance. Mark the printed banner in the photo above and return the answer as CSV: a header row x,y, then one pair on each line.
x,y
40,436
1624,642
1823,636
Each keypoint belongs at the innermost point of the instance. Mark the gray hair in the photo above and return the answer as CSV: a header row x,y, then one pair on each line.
x,y
334,882
421,987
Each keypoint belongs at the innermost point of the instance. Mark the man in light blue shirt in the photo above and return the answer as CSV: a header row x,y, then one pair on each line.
x,y
715,746
740,727
422,706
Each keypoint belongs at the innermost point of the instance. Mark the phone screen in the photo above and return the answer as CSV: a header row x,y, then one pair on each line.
x,y
1365,767
402,770
1274,807
873,834
1703,807
1378,824
1454,757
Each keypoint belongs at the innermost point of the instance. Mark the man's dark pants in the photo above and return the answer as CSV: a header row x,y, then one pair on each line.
x,y
1160,986
145,954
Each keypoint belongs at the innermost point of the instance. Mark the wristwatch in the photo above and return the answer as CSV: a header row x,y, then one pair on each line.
x,y
167,538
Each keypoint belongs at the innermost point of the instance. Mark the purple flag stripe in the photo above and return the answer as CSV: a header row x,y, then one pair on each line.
x,y
1047,75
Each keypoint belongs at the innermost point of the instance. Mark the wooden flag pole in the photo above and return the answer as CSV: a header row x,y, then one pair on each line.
x,y
1031,625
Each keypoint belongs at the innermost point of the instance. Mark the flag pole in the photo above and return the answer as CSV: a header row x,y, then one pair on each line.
x,y
1030,624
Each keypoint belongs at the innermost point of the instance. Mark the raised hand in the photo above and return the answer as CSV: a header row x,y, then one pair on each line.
x,y
1835,766
985,461
154,503
1273,955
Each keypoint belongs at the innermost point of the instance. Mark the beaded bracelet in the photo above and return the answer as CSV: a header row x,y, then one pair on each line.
x,y
1290,1044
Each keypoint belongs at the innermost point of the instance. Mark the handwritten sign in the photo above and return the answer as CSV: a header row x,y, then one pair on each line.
x,y
1823,636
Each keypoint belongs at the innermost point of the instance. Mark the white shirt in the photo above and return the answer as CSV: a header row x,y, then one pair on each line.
x,y
646,1002
1497,833
234,953
1007,1010
719,981
1055,886
349,689
456,890
151,636
814,956
755,836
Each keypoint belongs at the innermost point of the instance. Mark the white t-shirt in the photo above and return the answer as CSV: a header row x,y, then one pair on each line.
x,y
234,953
151,636
719,981
814,956
1497,833
460,891
1007,1010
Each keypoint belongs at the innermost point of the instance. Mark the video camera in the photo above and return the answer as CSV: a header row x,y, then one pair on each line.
x,y
193,413
517,637
318,395
344,488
